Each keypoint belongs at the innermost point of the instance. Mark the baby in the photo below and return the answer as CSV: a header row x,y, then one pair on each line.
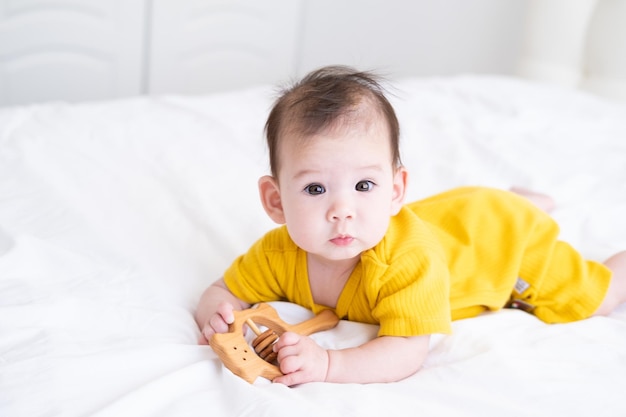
x,y
349,243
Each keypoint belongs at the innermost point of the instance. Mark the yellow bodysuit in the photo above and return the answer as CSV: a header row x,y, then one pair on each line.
x,y
450,256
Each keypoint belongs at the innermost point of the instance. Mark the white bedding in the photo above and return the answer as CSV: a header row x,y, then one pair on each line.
x,y
114,216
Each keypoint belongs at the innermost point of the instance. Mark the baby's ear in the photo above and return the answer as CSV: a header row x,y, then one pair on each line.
x,y
400,180
270,198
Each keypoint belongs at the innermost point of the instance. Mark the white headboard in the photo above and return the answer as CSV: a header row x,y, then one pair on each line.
x,y
85,50
578,43
98,49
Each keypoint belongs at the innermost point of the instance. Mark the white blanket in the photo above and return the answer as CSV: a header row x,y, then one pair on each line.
x,y
114,216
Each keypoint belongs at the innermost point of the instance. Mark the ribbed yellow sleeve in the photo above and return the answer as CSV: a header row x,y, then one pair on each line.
x,y
273,269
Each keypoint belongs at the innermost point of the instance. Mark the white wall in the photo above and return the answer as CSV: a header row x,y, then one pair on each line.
x,y
554,44
604,57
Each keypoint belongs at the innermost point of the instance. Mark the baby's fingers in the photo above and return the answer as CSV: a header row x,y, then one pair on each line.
x,y
202,340
217,325
225,311
286,339
294,378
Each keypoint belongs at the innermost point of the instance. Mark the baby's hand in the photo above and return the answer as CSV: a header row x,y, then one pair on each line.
x,y
218,322
301,359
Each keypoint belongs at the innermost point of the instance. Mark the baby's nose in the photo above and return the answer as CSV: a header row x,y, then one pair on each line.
x,y
341,209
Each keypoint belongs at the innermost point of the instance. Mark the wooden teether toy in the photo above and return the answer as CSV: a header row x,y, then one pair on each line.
x,y
237,355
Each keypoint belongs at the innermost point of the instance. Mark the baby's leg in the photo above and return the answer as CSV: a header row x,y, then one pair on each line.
x,y
543,201
616,294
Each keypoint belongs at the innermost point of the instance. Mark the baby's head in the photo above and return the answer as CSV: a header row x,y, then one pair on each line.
x,y
329,98
336,173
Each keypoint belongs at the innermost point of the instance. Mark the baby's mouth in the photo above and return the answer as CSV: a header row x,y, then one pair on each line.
x,y
342,240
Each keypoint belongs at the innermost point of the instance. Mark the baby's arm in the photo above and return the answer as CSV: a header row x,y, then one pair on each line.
x,y
215,310
384,359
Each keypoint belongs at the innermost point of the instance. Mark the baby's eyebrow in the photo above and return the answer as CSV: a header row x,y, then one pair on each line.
x,y
375,167
306,172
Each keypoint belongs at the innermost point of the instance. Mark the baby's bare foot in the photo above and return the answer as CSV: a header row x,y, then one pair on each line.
x,y
543,201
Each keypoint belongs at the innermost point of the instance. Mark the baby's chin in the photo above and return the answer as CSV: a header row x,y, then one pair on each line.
x,y
342,255
339,253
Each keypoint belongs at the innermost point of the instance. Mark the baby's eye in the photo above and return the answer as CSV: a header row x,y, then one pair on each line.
x,y
365,185
314,189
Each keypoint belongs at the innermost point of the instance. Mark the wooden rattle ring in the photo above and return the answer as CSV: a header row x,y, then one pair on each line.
x,y
263,344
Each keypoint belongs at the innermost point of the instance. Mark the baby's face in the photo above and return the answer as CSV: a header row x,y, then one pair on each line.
x,y
339,189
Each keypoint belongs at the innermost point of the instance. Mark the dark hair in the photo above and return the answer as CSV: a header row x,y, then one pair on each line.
x,y
320,99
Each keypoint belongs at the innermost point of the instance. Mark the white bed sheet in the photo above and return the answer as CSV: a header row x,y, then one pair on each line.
x,y
115,215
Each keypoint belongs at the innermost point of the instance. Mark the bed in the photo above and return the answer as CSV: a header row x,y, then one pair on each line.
x,y
115,215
